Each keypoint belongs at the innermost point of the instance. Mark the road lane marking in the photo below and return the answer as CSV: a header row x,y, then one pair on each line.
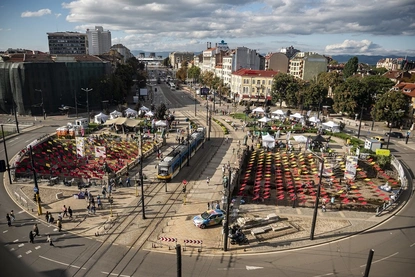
x,y
28,252
387,257
412,244
107,273
65,264
327,274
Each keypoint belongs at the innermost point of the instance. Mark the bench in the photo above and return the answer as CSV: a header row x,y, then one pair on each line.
x,y
59,195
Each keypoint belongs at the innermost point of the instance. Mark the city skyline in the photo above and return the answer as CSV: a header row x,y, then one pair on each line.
x,y
330,27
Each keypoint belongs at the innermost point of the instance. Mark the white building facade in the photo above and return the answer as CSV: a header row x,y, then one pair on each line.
x,y
99,41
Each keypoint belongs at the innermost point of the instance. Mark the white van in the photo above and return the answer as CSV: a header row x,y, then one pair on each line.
x,y
172,86
82,122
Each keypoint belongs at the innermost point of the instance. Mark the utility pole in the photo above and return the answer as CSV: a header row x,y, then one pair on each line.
x,y
14,110
228,199
313,223
141,173
36,188
87,90
7,157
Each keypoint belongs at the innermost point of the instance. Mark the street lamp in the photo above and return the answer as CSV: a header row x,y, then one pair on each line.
x,y
14,111
313,223
36,188
188,143
141,172
227,193
42,104
360,121
87,90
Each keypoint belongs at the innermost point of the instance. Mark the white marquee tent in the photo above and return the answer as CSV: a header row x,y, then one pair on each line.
x,y
268,141
115,114
101,118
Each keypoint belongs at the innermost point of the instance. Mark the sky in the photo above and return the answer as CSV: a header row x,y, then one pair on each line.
x,y
330,27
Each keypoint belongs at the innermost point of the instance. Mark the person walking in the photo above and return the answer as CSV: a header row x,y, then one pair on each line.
x,y
31,237
207,180
127,182
35,230
70,212
323,207
9,222
47,216
49,239
65,211
12,215
59,224
104,191
99,202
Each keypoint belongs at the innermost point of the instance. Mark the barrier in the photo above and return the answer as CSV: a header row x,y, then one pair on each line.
x,y
193,241
166,239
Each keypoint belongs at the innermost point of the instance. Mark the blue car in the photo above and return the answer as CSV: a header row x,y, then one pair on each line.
x,y
209,218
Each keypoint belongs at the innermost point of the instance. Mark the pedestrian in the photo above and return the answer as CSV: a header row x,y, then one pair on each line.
x,y
35,230
323,208
99,202
47,216
93,208
12,215
120,182
49,239
59,224
9,222
70,212
65,211
208,205
88,208
31,237
104,191
207,180
86,194
127,182
217,206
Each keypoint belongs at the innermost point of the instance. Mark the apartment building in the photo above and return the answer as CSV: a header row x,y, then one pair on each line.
x,y
176,58
277,62
99,41
307,65
124,51
252,85
68,43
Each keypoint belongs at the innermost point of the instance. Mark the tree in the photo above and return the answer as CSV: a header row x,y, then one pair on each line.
x,y
194,72
377,85
387,107
350,67
166,62
314,95
206,78
350,96
161,112
283,85
330,80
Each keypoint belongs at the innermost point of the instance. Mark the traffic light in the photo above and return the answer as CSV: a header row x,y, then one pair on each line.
x,y
2,166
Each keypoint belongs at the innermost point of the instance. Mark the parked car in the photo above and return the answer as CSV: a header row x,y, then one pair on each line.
x,y
209,218
378,138
394,134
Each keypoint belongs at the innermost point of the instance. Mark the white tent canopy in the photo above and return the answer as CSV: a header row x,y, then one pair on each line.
x,y
300,139
268,141
130,112
101,118
314,119
264,119
334,127
149,113
144,108
115,114
161,123
296,115
278,112
258,110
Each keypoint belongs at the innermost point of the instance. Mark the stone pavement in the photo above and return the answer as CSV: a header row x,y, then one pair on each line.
x,y
331,225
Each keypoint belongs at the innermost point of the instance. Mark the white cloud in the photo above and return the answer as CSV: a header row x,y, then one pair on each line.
x,y
352,46
57,15
38,13
164,23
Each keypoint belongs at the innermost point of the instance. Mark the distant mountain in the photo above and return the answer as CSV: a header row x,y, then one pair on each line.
x,y
371,60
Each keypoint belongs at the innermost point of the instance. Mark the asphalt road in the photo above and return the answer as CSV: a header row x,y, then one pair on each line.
x,y
393,241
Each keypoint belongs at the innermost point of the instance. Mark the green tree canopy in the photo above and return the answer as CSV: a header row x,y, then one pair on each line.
x,y
389,105
284,87
314,95
350,96
350,67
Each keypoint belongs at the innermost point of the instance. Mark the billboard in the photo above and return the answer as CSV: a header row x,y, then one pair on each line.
x,y
204,91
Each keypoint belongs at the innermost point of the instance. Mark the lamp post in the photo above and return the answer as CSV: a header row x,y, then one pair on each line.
x,y
188,145
7,157
141,173
227,187
313,223
87,90
360,121
391,124
42,104
14,111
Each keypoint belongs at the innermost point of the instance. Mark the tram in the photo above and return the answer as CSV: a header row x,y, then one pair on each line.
x,y
171,164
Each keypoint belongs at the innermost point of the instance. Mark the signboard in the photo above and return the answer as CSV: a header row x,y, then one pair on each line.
x,y
204,91
100,151
80,146
383,152
351,165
